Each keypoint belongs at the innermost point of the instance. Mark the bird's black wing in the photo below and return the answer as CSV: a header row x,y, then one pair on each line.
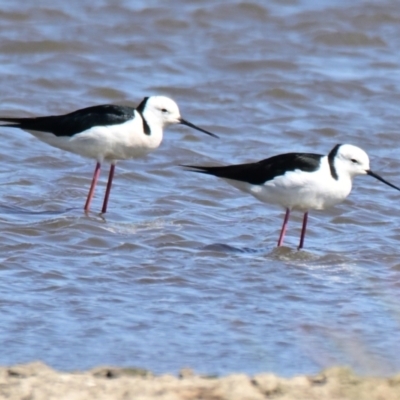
x,y
75,122
265,170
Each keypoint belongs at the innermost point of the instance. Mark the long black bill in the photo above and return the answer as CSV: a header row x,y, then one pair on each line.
x,y
369,172
187,123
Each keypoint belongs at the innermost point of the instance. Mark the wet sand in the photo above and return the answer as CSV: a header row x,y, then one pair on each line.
x,y
38,381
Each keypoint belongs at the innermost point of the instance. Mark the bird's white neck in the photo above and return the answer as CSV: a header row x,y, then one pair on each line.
x,y
152,129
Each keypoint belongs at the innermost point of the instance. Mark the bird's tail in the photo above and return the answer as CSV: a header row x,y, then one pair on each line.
x,y
227,171
10,122
197,168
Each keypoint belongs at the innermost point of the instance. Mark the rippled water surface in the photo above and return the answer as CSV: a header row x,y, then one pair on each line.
x,y
183,269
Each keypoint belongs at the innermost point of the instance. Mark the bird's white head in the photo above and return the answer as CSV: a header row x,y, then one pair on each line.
x,y
351,160
161,111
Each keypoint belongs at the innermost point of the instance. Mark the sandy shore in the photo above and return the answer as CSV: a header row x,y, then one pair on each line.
x,y
37,381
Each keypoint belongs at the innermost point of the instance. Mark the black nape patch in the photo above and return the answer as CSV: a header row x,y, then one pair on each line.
x,y
140,108
331,160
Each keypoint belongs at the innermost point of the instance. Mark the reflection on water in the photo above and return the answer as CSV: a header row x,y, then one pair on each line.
x,y
183,270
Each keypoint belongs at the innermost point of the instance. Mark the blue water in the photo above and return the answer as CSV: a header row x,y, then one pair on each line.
x,y
183,269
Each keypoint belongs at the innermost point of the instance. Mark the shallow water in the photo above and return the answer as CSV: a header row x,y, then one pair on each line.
x,y
183,269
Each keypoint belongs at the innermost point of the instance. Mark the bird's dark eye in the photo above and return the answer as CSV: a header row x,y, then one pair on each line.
x,y
164,110
354,161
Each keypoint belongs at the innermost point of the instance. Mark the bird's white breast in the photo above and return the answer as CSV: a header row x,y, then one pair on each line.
x,y
113,142
301,190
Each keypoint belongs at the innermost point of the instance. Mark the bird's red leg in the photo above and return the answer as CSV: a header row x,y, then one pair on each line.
x,y
283,231
92,186
108,189
303,231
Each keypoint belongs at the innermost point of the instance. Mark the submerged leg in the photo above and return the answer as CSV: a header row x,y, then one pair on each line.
x,y
283,231
303,231
108,189
92,186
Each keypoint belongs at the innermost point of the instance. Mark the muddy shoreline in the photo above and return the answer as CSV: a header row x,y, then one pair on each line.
x,y
38,381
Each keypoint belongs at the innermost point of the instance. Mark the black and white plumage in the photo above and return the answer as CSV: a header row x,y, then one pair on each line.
x,y
106,132
298,181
